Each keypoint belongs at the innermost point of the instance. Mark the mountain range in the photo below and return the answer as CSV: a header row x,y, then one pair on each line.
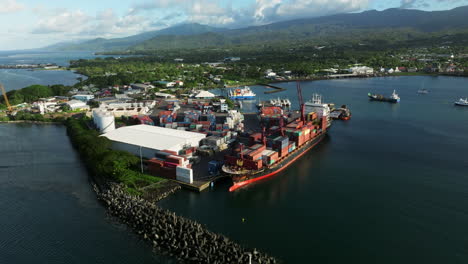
x,y
391,24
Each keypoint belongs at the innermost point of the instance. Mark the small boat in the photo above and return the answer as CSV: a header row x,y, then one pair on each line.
x,y
462,102
394,98
423,91
341,113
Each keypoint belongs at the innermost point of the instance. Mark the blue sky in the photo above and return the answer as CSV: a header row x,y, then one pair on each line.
x,y
37,23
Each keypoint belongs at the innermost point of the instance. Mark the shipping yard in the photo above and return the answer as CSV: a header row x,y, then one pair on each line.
x,y
196,142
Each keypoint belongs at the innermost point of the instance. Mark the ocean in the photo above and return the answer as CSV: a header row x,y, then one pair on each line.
x,y
14,79
388,186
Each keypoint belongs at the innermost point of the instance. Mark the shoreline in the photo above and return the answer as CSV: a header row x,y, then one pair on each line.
x,y
184,239
31,122
267,84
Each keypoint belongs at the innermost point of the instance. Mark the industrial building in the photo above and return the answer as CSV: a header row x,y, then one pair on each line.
x,y
146,140
83,97
77,105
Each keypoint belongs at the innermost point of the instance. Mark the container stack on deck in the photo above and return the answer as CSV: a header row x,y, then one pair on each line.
x,y
277,147
271,115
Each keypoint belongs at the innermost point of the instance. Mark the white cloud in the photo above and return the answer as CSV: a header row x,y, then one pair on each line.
x,y
77,24
271,11
10,6
68,21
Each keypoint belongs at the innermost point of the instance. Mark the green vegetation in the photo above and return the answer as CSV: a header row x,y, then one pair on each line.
x,y
388,27
105,163
33,93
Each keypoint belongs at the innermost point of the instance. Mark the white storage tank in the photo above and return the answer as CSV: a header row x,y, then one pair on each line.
x,y
104,120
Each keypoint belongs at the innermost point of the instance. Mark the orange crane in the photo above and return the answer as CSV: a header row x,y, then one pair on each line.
x,y
6,98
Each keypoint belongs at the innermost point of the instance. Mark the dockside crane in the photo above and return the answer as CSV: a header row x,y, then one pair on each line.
x,y
301,101
10,109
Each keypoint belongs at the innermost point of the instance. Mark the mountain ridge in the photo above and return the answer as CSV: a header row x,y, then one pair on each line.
x,y
390,24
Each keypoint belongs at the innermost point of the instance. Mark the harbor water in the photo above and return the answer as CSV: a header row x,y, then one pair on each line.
x,y
14,79
388,186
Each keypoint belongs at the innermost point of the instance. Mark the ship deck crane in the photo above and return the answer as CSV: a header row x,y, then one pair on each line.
x,y
10,108
301,100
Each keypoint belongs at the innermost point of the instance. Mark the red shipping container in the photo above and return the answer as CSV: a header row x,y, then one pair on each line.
x,y
170,164
170,151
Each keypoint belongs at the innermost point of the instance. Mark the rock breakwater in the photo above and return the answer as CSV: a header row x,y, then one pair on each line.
x,y
182,238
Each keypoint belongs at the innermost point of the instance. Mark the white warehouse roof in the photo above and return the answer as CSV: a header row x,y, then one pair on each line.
x,y
153,137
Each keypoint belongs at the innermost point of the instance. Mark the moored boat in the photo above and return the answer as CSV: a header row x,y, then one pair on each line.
x,y
276,148
394,98
244,93
462,102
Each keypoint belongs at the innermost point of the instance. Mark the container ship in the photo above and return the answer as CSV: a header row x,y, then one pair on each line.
x,y
241,94
394,98
278,145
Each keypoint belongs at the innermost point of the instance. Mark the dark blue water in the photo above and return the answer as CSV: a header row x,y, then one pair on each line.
x,y
49,213
388,186
14,79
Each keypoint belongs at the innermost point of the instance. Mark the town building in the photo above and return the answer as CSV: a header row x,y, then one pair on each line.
x,y
77,105
83,97
146,140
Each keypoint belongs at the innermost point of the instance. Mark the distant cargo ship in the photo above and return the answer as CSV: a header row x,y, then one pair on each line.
x,y
278,147
241,94
394,98
462,102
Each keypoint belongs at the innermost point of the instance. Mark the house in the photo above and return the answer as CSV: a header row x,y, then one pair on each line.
x,y
164,95
140,86
361,70
178,60
232,59
204,95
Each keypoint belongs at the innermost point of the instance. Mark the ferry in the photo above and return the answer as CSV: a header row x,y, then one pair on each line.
x,y
241,94
462,102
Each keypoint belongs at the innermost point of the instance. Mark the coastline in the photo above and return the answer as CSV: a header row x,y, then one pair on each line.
x,y
184,239
322,78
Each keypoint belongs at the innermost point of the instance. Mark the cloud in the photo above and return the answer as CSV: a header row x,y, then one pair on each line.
x,y
68,21
10,6
157,14
425,4
275,10
105,23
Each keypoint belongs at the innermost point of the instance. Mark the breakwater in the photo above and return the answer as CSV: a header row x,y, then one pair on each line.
x,y
182,238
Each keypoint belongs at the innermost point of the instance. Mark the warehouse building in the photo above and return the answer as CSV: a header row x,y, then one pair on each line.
x,y
147,139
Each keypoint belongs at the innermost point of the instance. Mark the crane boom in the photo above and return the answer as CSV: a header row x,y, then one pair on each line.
x,y
6,98
301,100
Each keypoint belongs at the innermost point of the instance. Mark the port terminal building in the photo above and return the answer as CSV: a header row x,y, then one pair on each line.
x,y
145,140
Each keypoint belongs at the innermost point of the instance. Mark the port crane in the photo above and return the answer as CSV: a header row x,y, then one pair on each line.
x,y
301,101
10,108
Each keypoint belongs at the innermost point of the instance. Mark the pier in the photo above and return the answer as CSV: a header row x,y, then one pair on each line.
x,y
277,89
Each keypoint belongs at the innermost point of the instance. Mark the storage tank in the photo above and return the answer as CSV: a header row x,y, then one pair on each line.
x,y
104,120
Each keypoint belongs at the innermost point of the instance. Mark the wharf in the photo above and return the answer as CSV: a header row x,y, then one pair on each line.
x,y
276,88
200,184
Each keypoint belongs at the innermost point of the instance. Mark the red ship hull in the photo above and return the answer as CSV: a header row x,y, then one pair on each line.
x,y
241,184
